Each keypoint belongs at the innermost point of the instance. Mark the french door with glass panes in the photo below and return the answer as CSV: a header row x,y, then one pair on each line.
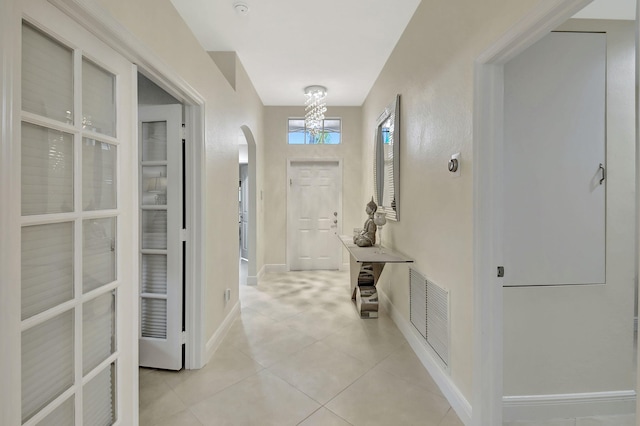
x,y
77,221
161,245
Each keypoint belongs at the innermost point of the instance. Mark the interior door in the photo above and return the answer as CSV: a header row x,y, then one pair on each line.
x,y
161,247
77,221
554,159
313,223
244,210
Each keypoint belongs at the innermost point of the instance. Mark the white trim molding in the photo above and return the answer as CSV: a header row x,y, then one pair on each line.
x,y
274,268
10,198
214,342
430,361
570,405
254,280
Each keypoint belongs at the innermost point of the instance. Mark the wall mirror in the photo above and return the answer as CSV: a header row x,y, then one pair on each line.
x,y
386,168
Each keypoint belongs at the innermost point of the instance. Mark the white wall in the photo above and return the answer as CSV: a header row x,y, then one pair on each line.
x,y
577,339
276,154
226,110
432,69
150,93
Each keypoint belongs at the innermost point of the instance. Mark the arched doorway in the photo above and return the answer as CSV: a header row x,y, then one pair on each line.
x,y
248,210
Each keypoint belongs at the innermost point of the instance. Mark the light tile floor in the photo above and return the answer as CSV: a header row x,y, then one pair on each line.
x,y
299,354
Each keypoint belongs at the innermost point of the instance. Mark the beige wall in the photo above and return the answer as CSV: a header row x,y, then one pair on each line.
x,y
277,152
226,110
432,69
580,338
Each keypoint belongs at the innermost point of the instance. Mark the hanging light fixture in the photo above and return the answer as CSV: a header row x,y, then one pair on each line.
x,y
315,108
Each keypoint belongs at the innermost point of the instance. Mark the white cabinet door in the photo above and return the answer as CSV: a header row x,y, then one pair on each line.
x,y
313,223
161,248
554,147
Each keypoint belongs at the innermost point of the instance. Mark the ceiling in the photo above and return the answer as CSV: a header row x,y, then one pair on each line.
x,y
286,45
609,9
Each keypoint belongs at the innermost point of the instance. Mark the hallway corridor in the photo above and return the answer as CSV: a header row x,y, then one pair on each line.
x,y
300,355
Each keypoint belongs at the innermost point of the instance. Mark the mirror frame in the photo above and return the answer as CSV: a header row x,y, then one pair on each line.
x,y
392,112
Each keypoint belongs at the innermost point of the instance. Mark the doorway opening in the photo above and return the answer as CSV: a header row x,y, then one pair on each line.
x,y
247,207
163,211
171,212
489,217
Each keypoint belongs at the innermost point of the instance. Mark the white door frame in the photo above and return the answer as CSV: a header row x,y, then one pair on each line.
x,y
10,294
487,202
96,20
290,161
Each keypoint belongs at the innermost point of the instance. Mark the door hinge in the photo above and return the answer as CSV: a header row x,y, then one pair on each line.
x,y
183,235
183,338
500,271
183,133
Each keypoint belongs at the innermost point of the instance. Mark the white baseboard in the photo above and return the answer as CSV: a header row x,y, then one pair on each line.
x,y
435,367
275,268
547,407
214,342
253,280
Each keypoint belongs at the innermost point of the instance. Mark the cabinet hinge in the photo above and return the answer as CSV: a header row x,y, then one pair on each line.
x,y
183,235
183,338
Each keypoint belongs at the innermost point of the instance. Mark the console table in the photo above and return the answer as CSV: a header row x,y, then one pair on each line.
x,y
366,265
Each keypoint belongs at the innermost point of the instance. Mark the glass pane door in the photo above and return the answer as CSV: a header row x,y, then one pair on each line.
x,y
71,225
160,243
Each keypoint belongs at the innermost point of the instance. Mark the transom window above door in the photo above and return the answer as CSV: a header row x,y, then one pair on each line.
x,y
330,134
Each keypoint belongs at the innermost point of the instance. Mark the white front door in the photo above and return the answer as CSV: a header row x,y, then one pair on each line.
x,y
77,225
161,246
554,186
314,210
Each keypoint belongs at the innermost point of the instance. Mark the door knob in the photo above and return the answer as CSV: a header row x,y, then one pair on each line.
x,y
335,214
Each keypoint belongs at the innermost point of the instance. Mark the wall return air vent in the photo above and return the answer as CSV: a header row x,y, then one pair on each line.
x,y
429,313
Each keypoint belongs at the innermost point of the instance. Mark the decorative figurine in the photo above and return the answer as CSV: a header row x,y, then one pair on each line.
x,y
367,237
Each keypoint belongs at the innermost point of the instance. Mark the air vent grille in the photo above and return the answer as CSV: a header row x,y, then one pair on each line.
x,y
429,313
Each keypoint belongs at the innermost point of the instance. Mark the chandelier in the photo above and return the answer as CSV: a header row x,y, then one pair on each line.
x,y
315,108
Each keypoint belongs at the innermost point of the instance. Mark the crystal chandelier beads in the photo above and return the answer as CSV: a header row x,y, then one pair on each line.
x,y
315,108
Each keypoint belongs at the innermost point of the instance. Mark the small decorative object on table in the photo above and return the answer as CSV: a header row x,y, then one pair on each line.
x,y
380,219
367,237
